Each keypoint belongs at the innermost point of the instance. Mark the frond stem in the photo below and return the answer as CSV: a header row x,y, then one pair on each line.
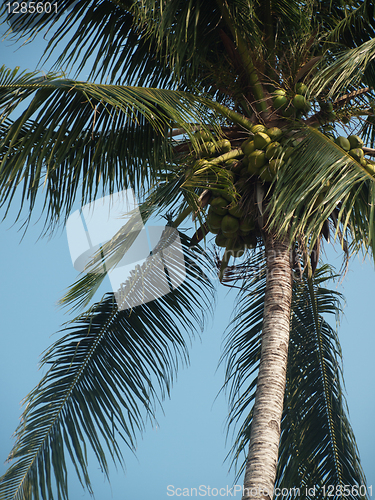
x,y
232,115
185,213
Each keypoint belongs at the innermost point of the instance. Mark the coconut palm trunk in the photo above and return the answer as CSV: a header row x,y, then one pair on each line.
x,y
262,458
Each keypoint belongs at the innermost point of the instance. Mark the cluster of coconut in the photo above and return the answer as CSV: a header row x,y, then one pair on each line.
x,y
259,156
297,105
290,106
234,230
263,150
353,145
210,149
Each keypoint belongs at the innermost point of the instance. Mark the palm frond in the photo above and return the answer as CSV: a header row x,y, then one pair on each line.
x,y
124,56
317,163
121,52
183,31
129,53
355,25
77,136
108,372
345,71
317,445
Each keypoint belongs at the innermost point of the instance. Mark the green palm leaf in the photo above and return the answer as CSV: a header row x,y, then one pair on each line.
x,y
345,71
107,373
356,26
77,137
317,160
126,51
317,445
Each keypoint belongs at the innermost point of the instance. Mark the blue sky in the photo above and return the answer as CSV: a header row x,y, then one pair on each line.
x,y
188,447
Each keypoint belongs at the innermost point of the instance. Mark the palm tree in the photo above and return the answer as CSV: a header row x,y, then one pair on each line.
x,y
240,105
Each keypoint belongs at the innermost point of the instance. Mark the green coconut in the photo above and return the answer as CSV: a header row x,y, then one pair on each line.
x,y
229,225
301,88
261,140
221,240
356,153
277,92
258,128
300,102
236,211
257,160
355,141
246,225
248,146
275,133
224,146
214,220
208,149
273,150
343,142
219,205
214,230
370,167
280,102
